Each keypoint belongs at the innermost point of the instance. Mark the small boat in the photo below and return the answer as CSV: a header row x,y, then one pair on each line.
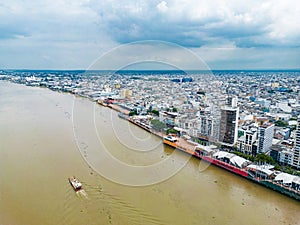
x,y
75,183
171,141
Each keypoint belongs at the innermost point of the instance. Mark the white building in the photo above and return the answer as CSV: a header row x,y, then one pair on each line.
x,y
245,143
265,137
286,157
296,155
208,126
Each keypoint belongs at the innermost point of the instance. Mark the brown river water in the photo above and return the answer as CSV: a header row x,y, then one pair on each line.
x,y
47,136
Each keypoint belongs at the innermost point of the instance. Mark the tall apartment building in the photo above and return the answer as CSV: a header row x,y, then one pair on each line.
x,y
265,137
228,132
296,154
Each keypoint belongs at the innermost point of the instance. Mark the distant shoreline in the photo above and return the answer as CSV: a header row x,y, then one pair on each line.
x,y
213,70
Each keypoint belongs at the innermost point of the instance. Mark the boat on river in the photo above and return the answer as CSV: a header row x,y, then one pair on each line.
x,y
75,183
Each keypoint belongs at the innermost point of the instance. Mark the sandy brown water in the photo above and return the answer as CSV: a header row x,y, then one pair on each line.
x,y
42,142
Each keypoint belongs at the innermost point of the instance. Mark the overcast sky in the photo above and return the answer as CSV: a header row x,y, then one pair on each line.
x,y
226,34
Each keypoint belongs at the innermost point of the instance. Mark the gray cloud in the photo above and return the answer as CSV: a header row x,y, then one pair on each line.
x,y
198,23
55,33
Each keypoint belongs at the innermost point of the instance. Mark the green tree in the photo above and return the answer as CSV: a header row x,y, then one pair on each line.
x,y
248,157
281,123
158,125
289,170
171,131
155,112
264,158
133,112
277,167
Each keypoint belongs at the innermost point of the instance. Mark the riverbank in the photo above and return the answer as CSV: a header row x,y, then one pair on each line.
x,y
293,190
243,171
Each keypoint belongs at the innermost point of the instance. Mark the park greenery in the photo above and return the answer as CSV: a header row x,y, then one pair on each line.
x,y
133,112
171,131
158,125
156,112
263,158
248,157
260,158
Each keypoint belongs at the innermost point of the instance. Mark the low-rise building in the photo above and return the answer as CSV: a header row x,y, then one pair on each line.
x,y
281,154
246,142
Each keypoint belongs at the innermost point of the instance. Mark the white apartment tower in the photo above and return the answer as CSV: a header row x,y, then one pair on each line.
x,y
296,154
265,137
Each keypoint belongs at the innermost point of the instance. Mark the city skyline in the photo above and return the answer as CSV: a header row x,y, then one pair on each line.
x,y
225,35
253,113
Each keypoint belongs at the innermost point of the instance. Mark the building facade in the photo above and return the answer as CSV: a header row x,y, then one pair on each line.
x,y
296,154
208,127
265,137
246,142
282,155
228,132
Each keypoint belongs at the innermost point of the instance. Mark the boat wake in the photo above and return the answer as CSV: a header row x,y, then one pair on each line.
x,y
81,193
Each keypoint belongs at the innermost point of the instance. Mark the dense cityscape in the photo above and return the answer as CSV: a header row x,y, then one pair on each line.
x,y
250,114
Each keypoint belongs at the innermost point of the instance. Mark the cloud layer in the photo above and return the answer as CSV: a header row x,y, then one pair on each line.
x,y
197,22
58,34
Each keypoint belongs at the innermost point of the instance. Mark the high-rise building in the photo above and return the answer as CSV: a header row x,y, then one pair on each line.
x,y
265,137
296,154
228,132
232,101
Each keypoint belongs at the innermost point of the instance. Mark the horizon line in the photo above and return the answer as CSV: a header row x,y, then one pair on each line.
x,y
265,69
